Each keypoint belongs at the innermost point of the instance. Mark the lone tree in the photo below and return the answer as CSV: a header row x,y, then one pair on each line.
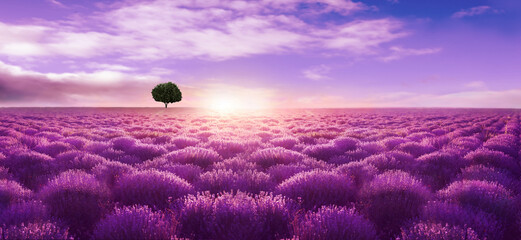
x,y
167,93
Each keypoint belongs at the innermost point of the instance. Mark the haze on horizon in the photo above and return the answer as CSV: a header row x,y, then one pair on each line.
x,y
257,54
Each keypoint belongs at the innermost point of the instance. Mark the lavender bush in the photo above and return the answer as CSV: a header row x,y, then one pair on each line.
x,y
136,222
78,199
335,223
36,231
437,231
150,187
392,198
317,188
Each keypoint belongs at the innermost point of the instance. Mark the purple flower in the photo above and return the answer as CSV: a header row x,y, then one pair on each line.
x,y
77,160
228,148
54,148
317,188
437,231
51,136
505,143
438,169
371,148
490,197
96,147
343,144
335,223
226,180
392,198
146,151
501,176
77,142
150,187
393,160
77,198
491,158
194,155
236,216
184,142
135,222
286,142
31,168
359,172
24,212
272,156
281,172
236,164
11,192
463,145
323,152
123,143
392,142
109,172
188,172
349,156
437,142
484,224
415,149
37,231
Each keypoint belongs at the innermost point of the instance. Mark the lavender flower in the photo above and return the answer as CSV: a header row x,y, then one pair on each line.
x,y
335,223
317,188
392,198
135,222
150,187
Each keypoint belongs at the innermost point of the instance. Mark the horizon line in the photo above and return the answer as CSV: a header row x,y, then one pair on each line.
x,y
246,109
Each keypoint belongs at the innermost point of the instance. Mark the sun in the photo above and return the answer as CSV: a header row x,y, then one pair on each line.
x,y
230,104
225,104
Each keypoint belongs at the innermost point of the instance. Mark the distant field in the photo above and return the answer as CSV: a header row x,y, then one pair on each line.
x,y
282,174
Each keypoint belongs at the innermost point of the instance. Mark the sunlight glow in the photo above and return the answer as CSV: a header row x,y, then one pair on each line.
x,y
225,104
230,104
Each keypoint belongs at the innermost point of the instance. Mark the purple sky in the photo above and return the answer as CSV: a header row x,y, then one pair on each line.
x,y
264,53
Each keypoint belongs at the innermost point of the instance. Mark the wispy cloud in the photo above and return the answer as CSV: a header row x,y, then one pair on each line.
x,y
317,72
31,88
400,52
56,3
478,85
510,98
108,67
214,30
472,11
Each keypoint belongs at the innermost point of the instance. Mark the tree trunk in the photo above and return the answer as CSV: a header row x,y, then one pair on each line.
x,y
166,104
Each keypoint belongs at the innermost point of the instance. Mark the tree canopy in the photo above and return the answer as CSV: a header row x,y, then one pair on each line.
x,y
167,93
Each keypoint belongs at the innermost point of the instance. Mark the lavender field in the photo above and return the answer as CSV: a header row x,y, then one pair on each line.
x,y
284,174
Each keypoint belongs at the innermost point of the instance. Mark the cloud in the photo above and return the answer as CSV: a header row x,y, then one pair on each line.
x,y
476,85
108,67
213,30
56,3
466,99
472,11
48,40
317,73
362,36
400,52
20,87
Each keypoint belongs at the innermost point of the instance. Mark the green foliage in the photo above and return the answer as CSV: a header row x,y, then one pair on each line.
x,y
166,93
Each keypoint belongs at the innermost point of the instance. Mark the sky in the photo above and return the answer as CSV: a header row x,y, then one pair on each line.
x,y
261,54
